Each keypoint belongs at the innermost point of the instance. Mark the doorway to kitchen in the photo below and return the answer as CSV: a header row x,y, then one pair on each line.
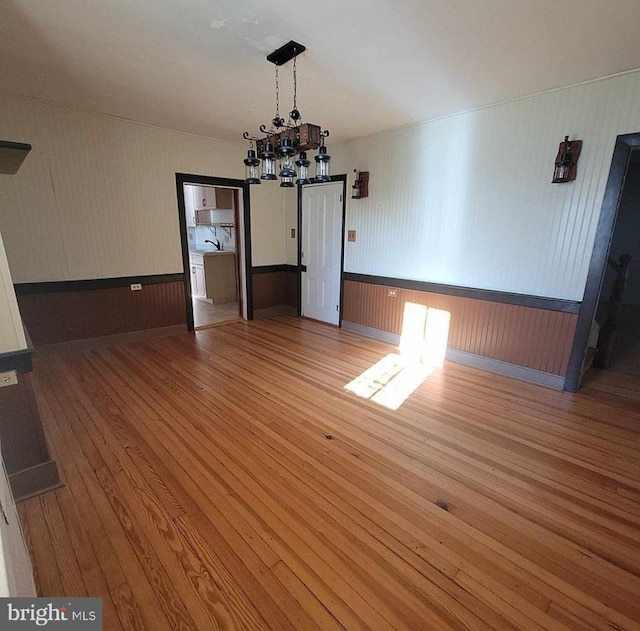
x,y
215,233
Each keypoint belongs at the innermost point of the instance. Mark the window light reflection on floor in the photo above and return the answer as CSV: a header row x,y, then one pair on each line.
x,y
423,344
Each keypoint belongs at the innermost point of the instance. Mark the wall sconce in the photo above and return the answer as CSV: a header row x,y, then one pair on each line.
x,y
566,165
361,185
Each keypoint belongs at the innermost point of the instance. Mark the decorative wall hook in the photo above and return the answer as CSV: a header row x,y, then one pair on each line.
x,y
360,185
566,165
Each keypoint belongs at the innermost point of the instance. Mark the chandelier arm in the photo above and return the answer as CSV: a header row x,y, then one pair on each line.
x,y
248,136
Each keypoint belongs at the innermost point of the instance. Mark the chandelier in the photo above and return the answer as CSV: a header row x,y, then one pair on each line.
x,y
284,140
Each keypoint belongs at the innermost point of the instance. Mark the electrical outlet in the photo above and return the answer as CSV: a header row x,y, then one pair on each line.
x,y
293,233
9,378
136,287
351,236
393,293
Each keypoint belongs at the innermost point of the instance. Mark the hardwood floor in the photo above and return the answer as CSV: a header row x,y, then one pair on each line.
x,y
226,480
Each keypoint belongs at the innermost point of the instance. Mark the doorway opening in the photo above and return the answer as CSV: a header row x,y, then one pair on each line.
x,y
321,221
618,311
607,341
214,231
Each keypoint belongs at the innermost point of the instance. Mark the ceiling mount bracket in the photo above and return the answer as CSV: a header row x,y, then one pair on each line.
x,y
286,53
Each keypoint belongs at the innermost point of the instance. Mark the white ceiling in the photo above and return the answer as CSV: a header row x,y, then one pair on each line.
x,y
199,66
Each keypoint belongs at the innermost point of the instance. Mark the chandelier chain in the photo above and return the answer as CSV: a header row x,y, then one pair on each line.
x,y
277,94
295,84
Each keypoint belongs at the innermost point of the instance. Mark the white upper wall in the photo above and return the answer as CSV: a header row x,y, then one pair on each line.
x,y
468,200
291,222
96,196
267,225
11,332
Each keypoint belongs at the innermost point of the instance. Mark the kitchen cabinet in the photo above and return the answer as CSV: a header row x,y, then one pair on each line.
x,y
220,277
189,206
198,282
211,198
200,287
224,198
213,276
203,197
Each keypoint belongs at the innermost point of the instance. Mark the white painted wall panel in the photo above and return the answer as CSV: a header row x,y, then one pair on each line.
x,y
96,196
11,332
291,221
267,228
468,200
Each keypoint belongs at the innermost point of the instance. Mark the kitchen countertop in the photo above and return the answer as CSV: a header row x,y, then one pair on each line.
x,y
210,252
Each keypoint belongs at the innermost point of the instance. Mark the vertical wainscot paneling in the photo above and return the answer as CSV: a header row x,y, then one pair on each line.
x,y
539,339
62,316
274,287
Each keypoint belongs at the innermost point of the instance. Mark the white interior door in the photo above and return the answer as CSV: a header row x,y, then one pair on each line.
x,y
321,251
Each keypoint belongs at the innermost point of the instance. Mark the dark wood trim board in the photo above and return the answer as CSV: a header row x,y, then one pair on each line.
x,y
523,300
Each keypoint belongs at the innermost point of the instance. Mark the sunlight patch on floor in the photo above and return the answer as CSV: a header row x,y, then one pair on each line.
x,y
423,344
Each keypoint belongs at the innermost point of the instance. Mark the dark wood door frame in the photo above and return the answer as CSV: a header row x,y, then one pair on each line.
x,y
334,178
625,144
206,180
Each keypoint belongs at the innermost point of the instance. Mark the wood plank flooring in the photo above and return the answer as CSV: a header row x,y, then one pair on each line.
x,y
225,480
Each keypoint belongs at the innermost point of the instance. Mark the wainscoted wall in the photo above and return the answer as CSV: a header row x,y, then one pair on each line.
x,y
291,286
64,311
467,200
96,196
532,337
274,287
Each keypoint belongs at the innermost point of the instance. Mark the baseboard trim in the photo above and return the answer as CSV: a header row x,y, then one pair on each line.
x,y
469,359
111,340
20,361
35,480
504,368
268,312
368,331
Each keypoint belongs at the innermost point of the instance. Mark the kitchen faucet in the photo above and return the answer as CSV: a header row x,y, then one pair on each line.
x,y
216,244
